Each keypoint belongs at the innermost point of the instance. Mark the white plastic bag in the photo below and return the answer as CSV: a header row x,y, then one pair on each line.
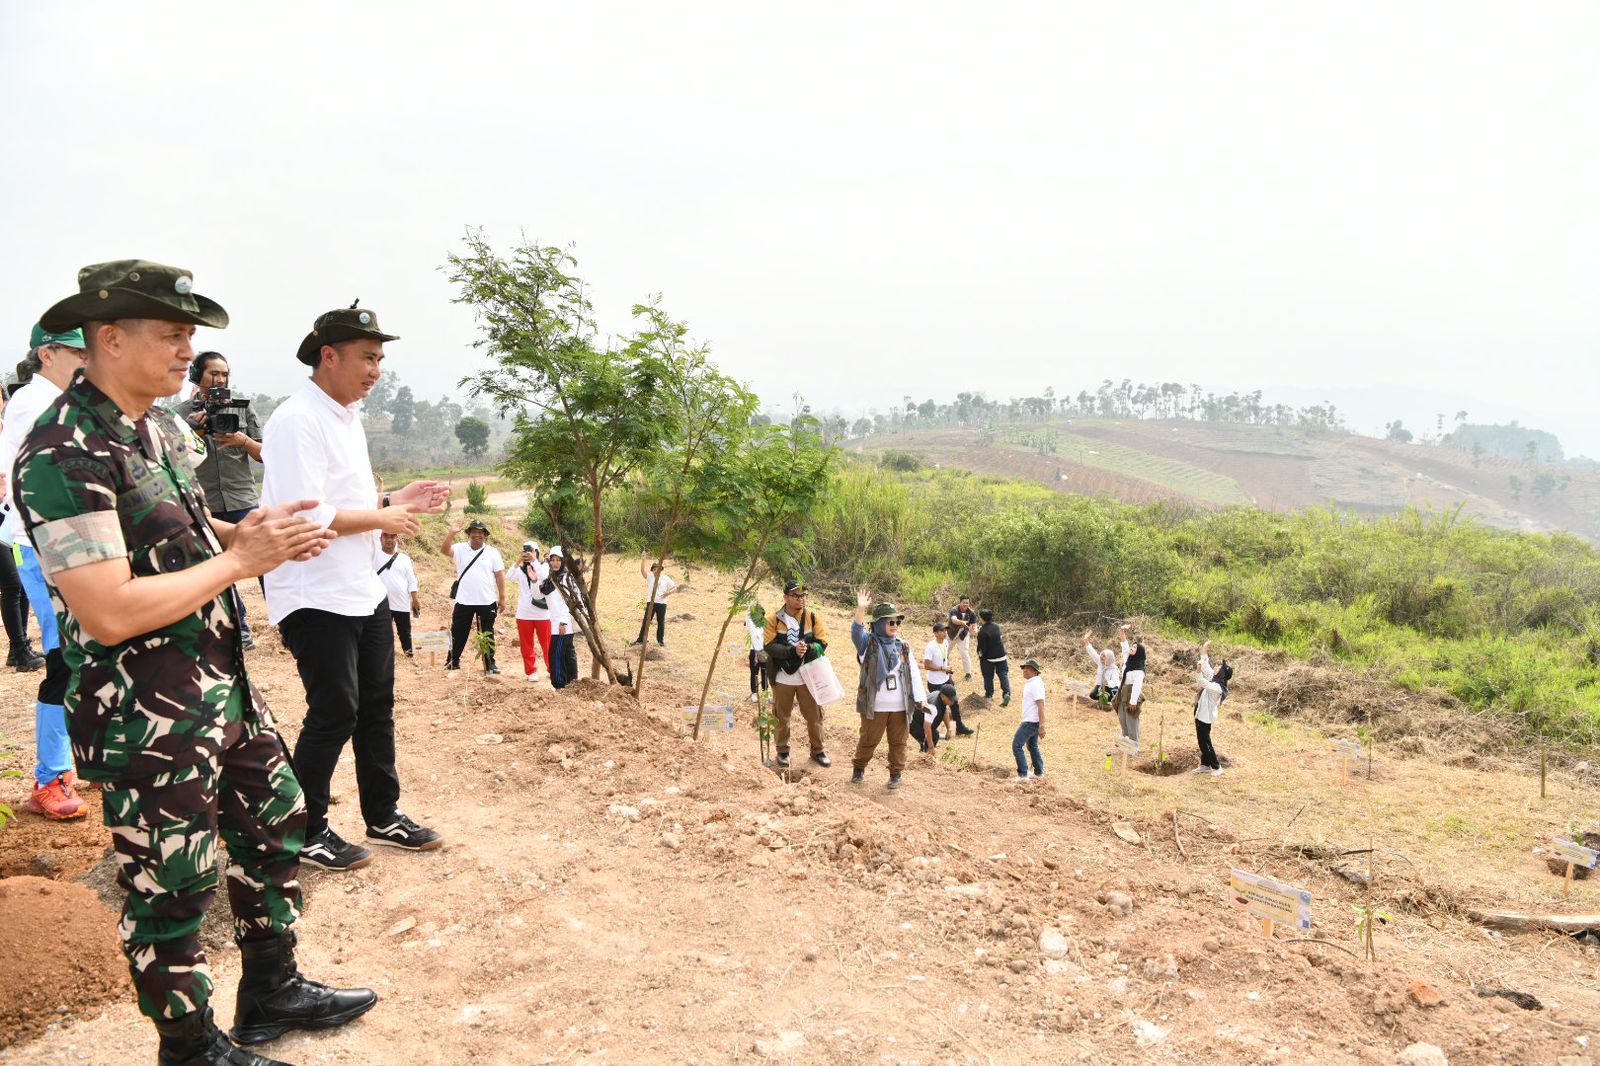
x,y
821,681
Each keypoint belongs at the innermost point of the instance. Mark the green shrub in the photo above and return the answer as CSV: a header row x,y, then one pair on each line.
x,y
477,498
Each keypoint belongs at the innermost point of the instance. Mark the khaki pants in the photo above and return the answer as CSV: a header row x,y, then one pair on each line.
x,y
966,656
872,730
783,700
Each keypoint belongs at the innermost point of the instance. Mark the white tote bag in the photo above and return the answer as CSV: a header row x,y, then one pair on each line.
x,y
821,681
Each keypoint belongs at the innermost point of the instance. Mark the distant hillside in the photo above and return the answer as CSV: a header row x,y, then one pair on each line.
x,y
1280,468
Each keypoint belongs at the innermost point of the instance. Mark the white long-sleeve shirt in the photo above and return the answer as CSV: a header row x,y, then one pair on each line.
x,y
314,448
528,591
1210,700
21,412
1105,676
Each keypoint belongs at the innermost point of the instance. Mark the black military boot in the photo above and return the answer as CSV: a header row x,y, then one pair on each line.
x,y
23,657
195,1040
274,998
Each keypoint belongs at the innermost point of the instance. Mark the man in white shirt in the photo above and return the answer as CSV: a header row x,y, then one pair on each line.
x,y
1031,729
332,611
480,590
936,672
658,586
54,358
399,578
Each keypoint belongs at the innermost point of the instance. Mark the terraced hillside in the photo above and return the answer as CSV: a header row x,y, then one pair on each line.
x,y
1213,464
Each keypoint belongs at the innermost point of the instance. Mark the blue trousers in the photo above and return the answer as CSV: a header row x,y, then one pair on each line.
x,y
52,746
1027,736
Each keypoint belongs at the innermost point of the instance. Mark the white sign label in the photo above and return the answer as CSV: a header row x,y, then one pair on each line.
x,y
1576,854
717,719
1266,898
1350,749
436,640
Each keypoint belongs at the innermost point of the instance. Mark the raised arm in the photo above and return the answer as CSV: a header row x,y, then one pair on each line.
x,y
449,542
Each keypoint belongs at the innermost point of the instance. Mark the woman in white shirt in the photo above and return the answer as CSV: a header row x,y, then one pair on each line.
x,y
533,610
1107,678
558,586
1213,686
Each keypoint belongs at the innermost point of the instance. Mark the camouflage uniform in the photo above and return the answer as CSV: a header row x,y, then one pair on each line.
x,y
167,721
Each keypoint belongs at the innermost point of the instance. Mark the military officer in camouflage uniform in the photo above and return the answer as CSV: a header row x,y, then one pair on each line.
x,y
160,709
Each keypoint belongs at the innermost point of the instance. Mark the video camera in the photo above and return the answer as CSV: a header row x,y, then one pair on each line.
x,y
224,414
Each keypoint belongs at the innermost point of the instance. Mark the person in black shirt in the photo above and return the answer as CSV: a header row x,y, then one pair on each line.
x,y
962,618
992,658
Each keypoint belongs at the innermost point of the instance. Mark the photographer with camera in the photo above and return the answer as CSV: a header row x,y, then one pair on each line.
x,y
232,437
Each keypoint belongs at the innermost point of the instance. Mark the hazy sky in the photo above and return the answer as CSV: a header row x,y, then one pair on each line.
x,y
855,201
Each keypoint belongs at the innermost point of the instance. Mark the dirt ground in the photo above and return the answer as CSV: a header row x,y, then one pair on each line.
x,y
613,892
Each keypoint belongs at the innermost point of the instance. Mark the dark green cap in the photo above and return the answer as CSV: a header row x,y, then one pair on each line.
x,y
344,324
1032,664
133,288
478,523
887,610
41,337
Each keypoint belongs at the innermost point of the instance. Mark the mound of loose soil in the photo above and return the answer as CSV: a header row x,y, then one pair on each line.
x,y
37,846
59,958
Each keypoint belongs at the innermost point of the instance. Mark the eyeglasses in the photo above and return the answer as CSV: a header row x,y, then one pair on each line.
x,y
891,621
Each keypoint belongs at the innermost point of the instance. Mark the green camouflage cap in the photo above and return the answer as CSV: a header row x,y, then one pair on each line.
x,y
478,523
344,324
41,337
887,610
133,288
1032,664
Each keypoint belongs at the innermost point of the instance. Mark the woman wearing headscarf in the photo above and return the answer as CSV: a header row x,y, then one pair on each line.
x,y
561,592
1213,686
1107,676
889,689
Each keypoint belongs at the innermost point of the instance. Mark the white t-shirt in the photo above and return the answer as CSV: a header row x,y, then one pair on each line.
x,y
528,590
314,448
663,586
890,700
477,585
400,580
937,654
21,412
1032,698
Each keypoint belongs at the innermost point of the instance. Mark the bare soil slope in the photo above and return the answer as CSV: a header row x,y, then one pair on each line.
x,y
612,891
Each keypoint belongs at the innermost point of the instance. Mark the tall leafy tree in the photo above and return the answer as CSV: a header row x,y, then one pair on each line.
x,y
473,433
586,413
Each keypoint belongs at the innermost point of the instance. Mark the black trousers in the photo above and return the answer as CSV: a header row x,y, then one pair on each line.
x,y
402,628
13,604
660,611
1208,754
1002,670
461,627
758,673
347,667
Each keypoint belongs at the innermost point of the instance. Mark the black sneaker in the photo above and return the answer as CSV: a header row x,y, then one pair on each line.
x,y
332,852
1005,701
452,666
821,758
783,760
858,777
401,832
894,780
967,678
965,732
493,669
247,642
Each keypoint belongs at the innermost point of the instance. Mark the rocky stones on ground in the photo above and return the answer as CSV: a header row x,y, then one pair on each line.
x,y
672,841
1052,944
1424,994
1119,903
1422,1055
785,1043
1147,1033
1126,831
623,811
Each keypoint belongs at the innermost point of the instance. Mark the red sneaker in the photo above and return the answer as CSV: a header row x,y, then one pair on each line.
x,y
56,800
78,784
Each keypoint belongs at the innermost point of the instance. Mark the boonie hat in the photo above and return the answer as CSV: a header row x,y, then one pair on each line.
x,y
133,288
478,523
1032,664
344,324
41,337
887,610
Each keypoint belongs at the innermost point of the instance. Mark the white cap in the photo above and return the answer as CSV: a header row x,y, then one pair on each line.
x,y
556,550
530,545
